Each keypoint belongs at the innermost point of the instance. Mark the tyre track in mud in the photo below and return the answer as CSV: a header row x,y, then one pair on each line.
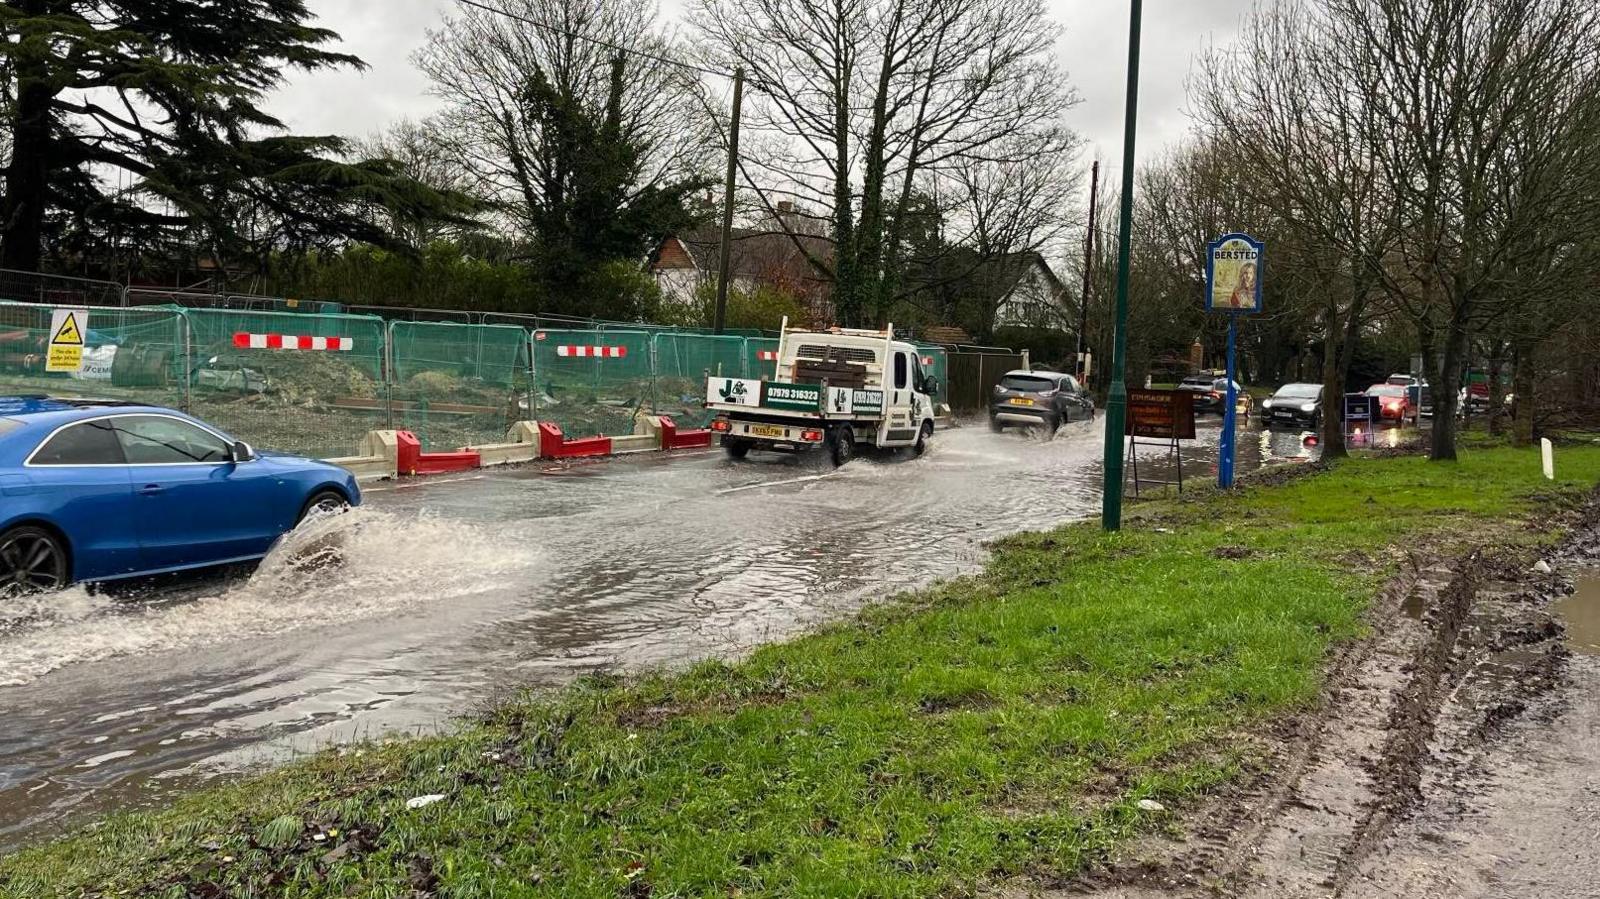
x,y
1463,648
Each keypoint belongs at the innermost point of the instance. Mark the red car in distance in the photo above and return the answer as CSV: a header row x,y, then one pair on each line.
x,y
1394,402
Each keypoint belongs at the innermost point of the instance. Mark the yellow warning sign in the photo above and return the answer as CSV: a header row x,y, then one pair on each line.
x,y
68,334
67,327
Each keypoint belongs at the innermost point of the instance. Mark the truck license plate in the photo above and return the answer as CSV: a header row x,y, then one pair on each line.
x,y
767,431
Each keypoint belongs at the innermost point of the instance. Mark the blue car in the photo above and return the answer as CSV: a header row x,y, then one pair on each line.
x,y
95,491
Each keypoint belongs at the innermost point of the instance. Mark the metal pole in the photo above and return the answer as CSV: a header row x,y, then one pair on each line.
x,y
188,365
721,316
1088,267
1229,413
386,361
1117,397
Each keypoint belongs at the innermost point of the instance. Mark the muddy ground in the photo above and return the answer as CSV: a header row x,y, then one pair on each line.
x,y
1456,753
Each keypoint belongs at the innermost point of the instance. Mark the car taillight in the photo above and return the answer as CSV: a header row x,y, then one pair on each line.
x,y
720,424
812,436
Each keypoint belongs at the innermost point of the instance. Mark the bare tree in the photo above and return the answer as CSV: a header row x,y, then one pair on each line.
x,y
419,153
857,104
1485,110
995,217
488,68
1293,105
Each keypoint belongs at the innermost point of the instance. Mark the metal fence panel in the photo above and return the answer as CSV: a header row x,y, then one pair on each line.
x,y
936,361
682,363
283,304
133,355
311,384
456,385
189,299
761,358
58,290
592,381
973,376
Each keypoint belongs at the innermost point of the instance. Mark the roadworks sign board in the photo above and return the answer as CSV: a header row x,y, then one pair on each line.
x,y
67,330
1167,414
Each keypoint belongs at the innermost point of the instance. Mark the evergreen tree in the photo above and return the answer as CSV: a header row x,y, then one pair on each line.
x,y
591,207
142,118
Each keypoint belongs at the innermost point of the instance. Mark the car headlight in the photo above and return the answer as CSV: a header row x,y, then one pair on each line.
x,y
1308,407
1266,404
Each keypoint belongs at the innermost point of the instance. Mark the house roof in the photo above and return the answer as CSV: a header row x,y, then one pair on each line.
x,y
756,253
961,270
1010,269
769,255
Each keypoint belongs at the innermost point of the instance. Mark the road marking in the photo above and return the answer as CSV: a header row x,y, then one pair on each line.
x,y
815,477
367,491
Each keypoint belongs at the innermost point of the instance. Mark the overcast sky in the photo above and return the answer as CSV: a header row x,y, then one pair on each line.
x,y
1093,50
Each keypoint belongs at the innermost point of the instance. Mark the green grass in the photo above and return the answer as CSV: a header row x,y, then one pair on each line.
x,y
1000,725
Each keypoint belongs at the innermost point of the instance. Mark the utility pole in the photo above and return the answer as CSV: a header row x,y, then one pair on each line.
x,y
1117,397
1088,267
721,317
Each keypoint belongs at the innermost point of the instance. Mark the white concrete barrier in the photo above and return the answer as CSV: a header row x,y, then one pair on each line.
x,y
522,445
377,459
636,443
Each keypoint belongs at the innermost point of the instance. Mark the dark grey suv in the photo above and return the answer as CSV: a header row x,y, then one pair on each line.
x,y
1033,398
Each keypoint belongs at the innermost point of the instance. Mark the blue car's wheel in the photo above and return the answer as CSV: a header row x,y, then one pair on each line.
x,y
32,560
325,501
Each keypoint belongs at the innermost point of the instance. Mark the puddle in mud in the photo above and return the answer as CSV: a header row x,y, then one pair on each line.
x,y
1413,607
1580,612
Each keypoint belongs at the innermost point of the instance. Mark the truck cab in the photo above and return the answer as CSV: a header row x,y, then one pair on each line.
x,y
833,390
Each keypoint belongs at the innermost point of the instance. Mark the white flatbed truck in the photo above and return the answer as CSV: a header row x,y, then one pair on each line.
x,y
833,391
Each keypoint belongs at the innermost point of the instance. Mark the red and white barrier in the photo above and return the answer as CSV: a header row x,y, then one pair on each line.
x,y
292,342
767,355
388,454
597,352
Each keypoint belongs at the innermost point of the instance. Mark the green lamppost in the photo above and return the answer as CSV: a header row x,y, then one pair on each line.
x,y
1117,398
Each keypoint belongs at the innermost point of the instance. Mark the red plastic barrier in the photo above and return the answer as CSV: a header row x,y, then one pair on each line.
x,y
408,451
444,463
411,460
672,438
554,445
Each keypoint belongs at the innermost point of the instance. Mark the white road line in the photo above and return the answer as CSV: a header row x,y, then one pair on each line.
x,y
412,485
815,477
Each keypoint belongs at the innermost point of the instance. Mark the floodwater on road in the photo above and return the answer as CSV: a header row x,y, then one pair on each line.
x,y
455,588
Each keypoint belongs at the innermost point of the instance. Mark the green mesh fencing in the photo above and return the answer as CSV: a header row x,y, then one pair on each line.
x,y
755,365
318,402
592,381
134,355
682,364
458,385
936,362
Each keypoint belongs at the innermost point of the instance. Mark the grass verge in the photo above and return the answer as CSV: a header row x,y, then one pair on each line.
x,y
999,725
